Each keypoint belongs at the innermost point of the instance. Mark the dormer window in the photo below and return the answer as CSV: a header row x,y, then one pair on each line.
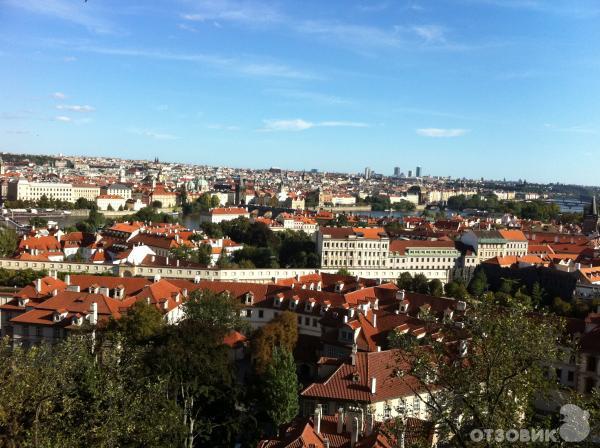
x,y
23,301
249,298
404,306
59,315
294,303
77,321
448,313
278,301
309,306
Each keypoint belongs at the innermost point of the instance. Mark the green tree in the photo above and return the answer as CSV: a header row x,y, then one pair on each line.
x,y
110,208
8,242
457,290
420,284
478,284
142,322
280,388
343,271
405,281
486,381
211,229
194,361
537,295
65,395
37,221
436,288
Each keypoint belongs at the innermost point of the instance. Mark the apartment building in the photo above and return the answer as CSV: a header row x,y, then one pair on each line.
x,y
496,243
353,247
86,191
23,189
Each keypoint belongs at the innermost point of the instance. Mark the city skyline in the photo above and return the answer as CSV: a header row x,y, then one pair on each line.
x,y
465,88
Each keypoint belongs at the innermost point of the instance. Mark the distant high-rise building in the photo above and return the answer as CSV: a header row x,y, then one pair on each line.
x,y
418,173
397,171
409,173
368,173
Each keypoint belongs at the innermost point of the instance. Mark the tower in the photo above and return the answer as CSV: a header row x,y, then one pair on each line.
x,y
591,221
418,172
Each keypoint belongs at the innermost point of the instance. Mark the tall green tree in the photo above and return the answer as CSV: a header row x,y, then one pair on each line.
x,y
195,363
436,288
420,284
478,284
405,281
8,242
280,388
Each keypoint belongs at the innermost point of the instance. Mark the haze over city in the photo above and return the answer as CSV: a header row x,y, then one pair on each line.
x,y
474,88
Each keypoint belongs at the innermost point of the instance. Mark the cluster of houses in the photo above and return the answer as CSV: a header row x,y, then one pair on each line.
x,y
132,243
343,355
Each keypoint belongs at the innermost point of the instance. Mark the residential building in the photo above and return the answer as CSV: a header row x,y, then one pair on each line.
x,y
346,247
496,243
217,215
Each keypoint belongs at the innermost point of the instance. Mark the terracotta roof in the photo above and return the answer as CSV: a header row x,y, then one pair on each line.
x,y
353,383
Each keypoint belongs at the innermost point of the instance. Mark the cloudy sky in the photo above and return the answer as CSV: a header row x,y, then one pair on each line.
x,y
493,88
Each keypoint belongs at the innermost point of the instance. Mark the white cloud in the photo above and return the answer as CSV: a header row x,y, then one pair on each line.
x,y
299,124
63,118
441,133
247,12
239,66
430,33
75,107
153,134
59,96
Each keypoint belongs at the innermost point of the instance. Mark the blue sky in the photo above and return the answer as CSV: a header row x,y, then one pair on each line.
x,y
493,88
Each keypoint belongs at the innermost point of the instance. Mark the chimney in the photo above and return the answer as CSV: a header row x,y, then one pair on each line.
x,y
374,320
400,295
317,419
177,262
373,385
38,285
353,355
354,433
340,420
94,313
68,279
167,261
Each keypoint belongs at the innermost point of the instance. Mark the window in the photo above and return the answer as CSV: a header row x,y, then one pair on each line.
x,y
56,333
314,322
248,313
416,406
387,412
570,376
261,314
38,331
307,321
591,364
558,374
